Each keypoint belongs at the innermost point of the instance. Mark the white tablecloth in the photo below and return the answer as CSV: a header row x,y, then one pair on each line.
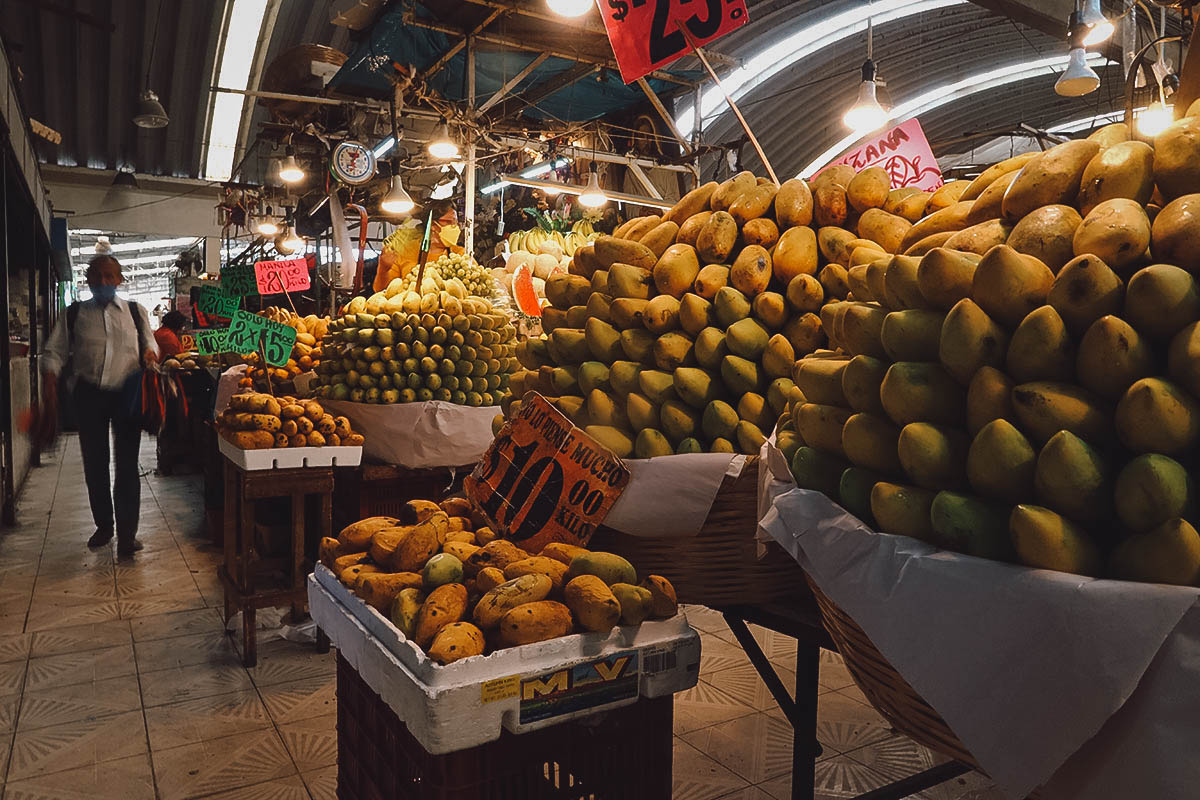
x,y
1088,687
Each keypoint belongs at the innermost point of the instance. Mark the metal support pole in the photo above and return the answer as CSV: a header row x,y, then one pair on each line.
x,y
9,511
697,121
469,187
41,258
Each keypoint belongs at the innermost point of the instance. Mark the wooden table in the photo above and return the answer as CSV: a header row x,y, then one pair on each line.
x,y
244,565
802,621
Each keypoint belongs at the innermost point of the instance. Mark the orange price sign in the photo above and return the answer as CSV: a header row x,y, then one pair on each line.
x,y
543,480
187,342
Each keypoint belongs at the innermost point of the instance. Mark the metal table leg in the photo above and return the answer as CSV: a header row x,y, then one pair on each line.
x,y
802,711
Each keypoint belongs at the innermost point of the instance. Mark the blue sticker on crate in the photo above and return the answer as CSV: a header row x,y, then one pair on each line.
x,y
588,685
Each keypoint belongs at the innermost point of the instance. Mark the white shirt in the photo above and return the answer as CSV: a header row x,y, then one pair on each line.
x,y
105,349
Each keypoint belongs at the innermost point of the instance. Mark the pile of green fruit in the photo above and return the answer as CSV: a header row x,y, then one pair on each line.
x,y
452,267
458,350
1037,398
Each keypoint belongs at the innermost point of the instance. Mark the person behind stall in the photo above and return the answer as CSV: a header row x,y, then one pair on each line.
x,y
167,336
106,341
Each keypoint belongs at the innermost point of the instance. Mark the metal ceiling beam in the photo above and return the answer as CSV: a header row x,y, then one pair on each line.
x,y
662,112
585,24
572,152
67,11
511,83
1047,16
461,43
539,92
536,47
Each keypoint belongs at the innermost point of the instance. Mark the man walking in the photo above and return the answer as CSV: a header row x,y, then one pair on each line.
x,y
106,340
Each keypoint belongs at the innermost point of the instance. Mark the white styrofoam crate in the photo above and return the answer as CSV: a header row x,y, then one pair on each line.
x,y
291,457
466,703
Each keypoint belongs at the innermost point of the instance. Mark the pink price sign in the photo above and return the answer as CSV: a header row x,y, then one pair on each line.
x,y
274,277
904,152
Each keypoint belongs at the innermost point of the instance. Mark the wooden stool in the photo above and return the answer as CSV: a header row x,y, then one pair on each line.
x,y
243,564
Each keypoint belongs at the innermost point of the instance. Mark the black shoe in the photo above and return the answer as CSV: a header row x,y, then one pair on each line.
x,y
100,538
128,547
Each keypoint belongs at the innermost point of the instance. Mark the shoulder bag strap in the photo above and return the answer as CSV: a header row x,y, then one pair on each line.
x,y
137,324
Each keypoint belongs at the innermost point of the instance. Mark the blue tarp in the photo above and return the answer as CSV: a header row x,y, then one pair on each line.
x,y
391,39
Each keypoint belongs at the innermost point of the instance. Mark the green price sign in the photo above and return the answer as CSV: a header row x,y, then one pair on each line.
x,y
243,332
239,280
214,301
210,341
248,333
277,341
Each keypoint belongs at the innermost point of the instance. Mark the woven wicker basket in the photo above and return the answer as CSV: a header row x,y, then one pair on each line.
x,y
719,566
884,687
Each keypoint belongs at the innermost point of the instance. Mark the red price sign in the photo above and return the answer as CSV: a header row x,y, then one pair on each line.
x,y
543,480
274,277
645,34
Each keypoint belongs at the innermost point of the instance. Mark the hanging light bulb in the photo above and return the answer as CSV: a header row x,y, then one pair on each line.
x,y
396,201
592,195
150,113
866,114
1078,78
267,225
289,241
1098,28
442,146
289,170
569,8
1155,119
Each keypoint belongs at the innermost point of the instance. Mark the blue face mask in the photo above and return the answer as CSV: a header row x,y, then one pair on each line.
x,y
104,293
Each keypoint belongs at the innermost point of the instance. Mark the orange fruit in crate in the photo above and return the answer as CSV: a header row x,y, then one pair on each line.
x,y
523,292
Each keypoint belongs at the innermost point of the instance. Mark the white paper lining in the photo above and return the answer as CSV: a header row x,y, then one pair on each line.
x,y
1024,665
670,496
420,435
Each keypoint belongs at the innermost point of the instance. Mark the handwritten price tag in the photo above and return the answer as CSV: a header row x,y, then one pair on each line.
x,y
187,342
239,280
277,341
274,277
214,301
904,152
210,341
248,333
243,333
645,33
543,480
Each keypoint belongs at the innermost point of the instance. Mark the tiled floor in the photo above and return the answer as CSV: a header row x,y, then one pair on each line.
x,y
117,680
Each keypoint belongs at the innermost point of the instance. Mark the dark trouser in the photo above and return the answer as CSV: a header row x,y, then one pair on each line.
x,y
96,409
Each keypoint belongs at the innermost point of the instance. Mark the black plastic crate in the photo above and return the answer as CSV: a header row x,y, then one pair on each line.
x,y
623,754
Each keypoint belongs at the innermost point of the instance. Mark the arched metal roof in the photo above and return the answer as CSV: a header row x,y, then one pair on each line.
x,y
797,114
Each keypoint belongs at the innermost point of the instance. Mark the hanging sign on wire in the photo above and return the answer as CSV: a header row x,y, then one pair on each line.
x,y
903,151
238,280
645,34
211,341
273,277
543,480
215,302
248,333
